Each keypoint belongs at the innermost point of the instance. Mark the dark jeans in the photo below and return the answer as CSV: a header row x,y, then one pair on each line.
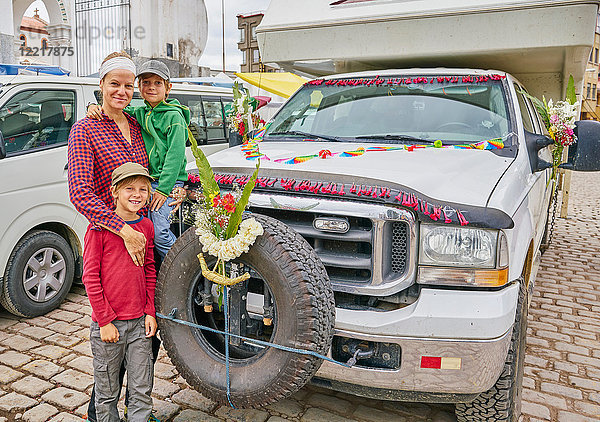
x,y
92,406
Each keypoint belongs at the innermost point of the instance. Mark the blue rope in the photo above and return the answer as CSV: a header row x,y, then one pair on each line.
x,y
227,334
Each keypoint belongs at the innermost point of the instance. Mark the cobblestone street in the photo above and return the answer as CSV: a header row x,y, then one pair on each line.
x,y
46,364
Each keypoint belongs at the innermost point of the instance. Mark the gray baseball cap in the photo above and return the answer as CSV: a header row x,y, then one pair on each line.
x,y
156,67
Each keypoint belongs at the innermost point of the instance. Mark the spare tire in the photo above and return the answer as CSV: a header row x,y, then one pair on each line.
x,y
303,317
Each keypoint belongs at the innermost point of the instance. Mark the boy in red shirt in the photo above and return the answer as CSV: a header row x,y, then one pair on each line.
x,y
122,298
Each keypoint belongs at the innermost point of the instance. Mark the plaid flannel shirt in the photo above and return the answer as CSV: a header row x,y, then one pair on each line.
x,y
96,148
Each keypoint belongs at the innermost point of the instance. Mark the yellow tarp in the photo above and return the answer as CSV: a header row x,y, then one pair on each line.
x,y
283,84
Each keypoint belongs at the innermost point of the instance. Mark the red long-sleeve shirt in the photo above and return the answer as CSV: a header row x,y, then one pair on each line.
x,y
116,287
96,148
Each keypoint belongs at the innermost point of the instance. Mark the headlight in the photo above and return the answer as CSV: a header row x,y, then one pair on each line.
x,y
458,246
482,254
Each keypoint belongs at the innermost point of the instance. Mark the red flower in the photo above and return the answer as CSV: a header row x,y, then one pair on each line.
x,y
216,201
229,203
242,128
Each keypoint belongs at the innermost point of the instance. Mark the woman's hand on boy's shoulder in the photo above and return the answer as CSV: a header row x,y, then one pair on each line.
x,y
94,111
151,325
109,333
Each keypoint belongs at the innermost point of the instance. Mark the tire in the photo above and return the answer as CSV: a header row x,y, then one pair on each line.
x,y
502,402
304,317
39,274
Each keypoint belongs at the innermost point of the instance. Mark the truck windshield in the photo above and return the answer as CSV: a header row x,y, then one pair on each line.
x,y
390,111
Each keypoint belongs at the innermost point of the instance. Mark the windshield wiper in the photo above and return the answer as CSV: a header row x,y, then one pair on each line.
x,y
306,135
395,138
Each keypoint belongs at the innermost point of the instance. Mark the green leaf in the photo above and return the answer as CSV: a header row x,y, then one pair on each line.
x,y
539,105
571,96
236,217
207,177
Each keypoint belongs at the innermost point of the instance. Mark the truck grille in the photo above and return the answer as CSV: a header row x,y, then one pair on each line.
x,y
349,257
399,252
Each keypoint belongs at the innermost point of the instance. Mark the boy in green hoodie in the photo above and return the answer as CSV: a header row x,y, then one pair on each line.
x,y
164,125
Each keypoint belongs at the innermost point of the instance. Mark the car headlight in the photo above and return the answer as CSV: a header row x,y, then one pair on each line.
x,y
459,256
458,246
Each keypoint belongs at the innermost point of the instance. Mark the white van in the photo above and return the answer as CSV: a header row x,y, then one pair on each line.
x,y
41,233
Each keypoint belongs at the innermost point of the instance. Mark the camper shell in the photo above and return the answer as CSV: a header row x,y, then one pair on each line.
x,y
539,42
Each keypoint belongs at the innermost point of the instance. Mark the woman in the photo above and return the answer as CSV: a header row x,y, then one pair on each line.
x,y
97,147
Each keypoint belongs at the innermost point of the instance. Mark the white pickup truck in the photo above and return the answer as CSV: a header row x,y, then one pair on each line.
x,y
424,190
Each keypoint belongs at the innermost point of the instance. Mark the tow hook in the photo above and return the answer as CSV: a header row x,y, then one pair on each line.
x,y
359,351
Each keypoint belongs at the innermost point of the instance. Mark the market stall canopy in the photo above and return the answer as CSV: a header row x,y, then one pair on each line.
x,y
283,84
22,69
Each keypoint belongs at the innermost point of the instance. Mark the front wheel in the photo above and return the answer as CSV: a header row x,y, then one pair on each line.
x,y
502,402
288,286
39,274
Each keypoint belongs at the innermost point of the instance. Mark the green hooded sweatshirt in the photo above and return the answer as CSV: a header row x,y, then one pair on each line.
x,y
165,133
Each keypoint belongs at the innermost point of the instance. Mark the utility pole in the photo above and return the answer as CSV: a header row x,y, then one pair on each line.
x,y
223,30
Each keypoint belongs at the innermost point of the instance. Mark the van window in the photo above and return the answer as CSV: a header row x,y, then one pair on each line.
x,y
208,124
207,121
36,119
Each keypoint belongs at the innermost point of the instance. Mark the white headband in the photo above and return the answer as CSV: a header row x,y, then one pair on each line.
x,y
115,63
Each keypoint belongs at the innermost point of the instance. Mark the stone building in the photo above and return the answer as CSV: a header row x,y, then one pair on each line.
x,y
251,59
173,31
33,37
590,106
59,28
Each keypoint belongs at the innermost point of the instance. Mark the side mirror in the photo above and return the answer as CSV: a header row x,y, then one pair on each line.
x,y
534,144
2,147
584,155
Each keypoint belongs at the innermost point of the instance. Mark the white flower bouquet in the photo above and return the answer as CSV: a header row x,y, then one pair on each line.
x,y
219,225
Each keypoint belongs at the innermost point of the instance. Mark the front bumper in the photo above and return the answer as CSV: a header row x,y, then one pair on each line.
x,y
481,364
473,326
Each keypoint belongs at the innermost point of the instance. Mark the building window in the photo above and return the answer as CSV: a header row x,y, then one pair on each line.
x,y
255,56
242,34
595,55
23,40
44,43
169,49
594,91
244,57
589,90
253,31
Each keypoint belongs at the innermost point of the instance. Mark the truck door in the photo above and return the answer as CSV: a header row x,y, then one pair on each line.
x,y
540,192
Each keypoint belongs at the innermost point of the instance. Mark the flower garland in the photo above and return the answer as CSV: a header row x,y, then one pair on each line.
x,y
252,152
378,81
229,249
218,218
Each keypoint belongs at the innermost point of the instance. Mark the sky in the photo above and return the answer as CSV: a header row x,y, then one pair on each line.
x,y
212,56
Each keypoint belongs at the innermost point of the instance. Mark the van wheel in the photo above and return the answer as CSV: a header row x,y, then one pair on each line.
x,y
502,402
39,274
284,266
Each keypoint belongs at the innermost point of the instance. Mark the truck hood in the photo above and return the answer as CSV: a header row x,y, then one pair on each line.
x,y
452,175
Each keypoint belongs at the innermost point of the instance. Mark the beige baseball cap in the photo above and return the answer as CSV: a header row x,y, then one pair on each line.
x,y
127,170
